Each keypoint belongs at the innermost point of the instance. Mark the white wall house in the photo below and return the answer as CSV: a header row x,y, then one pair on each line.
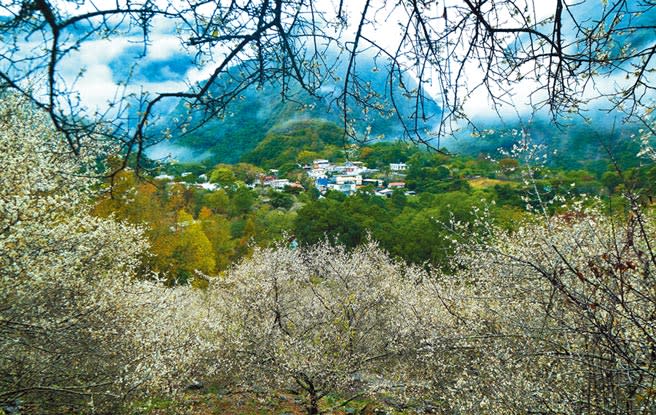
x,y
317,173
347,179
398,167
321,164
350,167
348,188
277,183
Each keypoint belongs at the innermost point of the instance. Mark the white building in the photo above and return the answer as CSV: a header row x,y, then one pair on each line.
x,y
384,193
347,179
396,185
351,167
321,164
277,183
348,188
398,167
317,173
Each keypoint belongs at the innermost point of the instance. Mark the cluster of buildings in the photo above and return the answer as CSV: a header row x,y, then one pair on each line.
x,y
347,177
202,182
279,184
351,176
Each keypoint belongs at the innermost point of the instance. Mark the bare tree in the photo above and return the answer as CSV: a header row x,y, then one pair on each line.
x,y
558,56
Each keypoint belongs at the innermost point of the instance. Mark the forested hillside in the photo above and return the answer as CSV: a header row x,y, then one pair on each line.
x,y
371,207
192,281
207,218
259,109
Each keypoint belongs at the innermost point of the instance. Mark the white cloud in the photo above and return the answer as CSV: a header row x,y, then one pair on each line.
x,y
98,85
164,46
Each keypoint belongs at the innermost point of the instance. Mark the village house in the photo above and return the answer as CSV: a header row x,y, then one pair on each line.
x,y
377,183
321,164
347,178
351,167
317,173
278,184
321,184
348,188
398,167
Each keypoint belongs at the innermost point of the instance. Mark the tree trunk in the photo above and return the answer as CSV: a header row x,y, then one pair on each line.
x,y
313,402
313,407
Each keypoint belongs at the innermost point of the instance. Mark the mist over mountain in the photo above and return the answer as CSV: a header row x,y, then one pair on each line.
x,y
259,109
164,65
573,144
600,132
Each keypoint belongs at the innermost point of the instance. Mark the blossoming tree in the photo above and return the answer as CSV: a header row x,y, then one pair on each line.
x,y
321,320
77,329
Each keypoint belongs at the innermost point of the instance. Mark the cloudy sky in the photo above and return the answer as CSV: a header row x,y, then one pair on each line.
x,y
168,67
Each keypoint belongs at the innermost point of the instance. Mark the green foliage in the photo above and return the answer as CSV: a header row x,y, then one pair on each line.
x,y
296,142
247,173
411,227
407,227
380,155
223,175
242,200
327,218
426,171
580,144
281,200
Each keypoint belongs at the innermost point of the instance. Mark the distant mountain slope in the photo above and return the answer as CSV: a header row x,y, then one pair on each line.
x,y
258,110
296,142
575,145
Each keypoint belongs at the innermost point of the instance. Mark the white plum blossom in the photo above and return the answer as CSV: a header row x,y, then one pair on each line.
x,y
321,320
80,329
554,317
